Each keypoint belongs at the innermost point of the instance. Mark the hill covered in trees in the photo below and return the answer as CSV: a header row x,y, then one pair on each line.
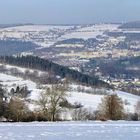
x,y
45,65
11,47
121,68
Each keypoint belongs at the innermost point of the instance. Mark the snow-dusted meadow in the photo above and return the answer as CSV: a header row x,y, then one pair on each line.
x,y
120,130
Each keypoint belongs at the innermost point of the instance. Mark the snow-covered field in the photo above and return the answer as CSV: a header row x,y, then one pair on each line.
x,y
91,31
9,82
92,101
70,131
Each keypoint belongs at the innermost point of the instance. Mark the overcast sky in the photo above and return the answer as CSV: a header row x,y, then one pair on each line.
x,y
68,11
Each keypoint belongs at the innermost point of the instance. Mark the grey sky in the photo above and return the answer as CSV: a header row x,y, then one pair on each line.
x,y
68,11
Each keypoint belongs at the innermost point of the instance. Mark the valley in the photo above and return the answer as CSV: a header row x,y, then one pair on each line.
x,y
91,49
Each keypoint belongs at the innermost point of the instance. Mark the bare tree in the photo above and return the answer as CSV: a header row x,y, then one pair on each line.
x,y
138,109
50,101
43,103
112,107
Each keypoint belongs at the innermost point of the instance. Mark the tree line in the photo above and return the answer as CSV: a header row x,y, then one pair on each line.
x,y
53,102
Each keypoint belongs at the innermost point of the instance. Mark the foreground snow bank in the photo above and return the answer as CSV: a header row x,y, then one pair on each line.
x,y
70,131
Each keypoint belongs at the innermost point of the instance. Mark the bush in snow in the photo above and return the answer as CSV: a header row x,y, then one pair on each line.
x,y
17,110
81,114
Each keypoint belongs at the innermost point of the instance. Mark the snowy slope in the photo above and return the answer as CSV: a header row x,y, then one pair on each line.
x,y
85,97
91,31
9,82
21,69
92,101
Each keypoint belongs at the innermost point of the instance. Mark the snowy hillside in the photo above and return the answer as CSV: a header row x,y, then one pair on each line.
x,y
47,35
91,31
92,101
87,96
